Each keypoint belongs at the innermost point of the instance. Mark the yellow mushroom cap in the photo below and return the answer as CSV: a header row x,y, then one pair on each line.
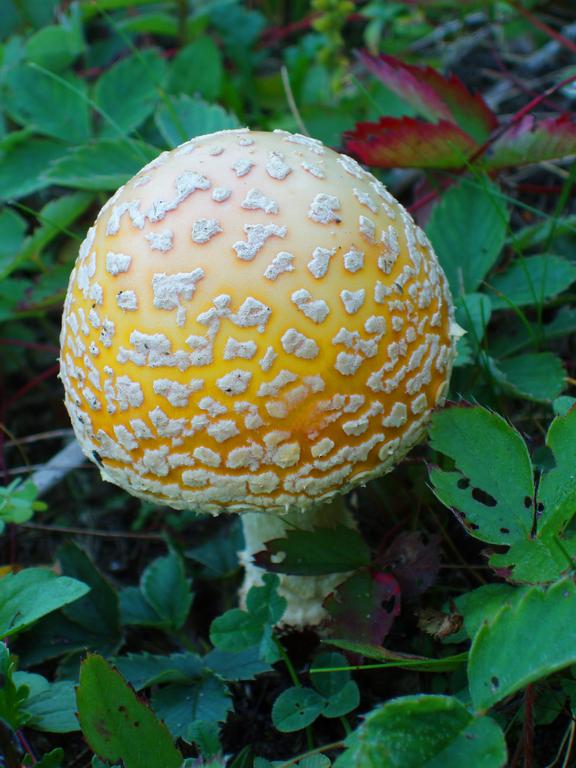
x,y
253,322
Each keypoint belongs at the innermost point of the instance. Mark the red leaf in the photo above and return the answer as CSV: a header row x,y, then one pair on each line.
x,y
364,607
433,95
410,143
532,141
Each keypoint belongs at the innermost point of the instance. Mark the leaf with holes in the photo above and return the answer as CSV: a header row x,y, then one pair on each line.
x,y
526,641
433,95
314,553
363,608
117,724
296,708
557,489
492,486
538,559
533,141
407,142
426,730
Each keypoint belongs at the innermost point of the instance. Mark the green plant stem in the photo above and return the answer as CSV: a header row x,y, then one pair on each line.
x,y
295,680
182,10
288,662
346,725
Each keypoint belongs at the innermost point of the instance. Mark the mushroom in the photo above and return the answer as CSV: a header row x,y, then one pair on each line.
x,y
254,324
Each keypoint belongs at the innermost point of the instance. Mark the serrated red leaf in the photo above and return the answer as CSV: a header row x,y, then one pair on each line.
x,y
410,143
532,141
433,95
414,560
363,607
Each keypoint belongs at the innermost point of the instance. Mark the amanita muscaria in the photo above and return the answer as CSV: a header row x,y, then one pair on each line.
x,y
255,325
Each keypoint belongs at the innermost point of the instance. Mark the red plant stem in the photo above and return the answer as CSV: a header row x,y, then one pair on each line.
x,y
30,345
545,189
26,746
542,26
48,373
276,34
529,699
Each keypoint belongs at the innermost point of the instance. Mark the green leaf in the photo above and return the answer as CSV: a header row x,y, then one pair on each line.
x,y
12,695
563,404
145,669
264,602
163,24
329,683
52,759
401,660
53,105
473,311
343,701
53,710
166,588
180,705
537,560
54,47
117,724
524,642
219,554
424,731
296,708
493,486
22,167
532,280
18,502
12,229
483,604
314,553
136,610
181,117
206,736
101,165
557,489
237,630
53,219
32,593
99,611
197,69
539,376
242,665
127,93
468,229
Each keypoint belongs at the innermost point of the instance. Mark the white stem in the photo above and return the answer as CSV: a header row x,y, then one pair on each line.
x,y
305,594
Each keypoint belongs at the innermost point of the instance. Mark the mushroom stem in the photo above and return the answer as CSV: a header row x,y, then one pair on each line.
x,y
305,594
